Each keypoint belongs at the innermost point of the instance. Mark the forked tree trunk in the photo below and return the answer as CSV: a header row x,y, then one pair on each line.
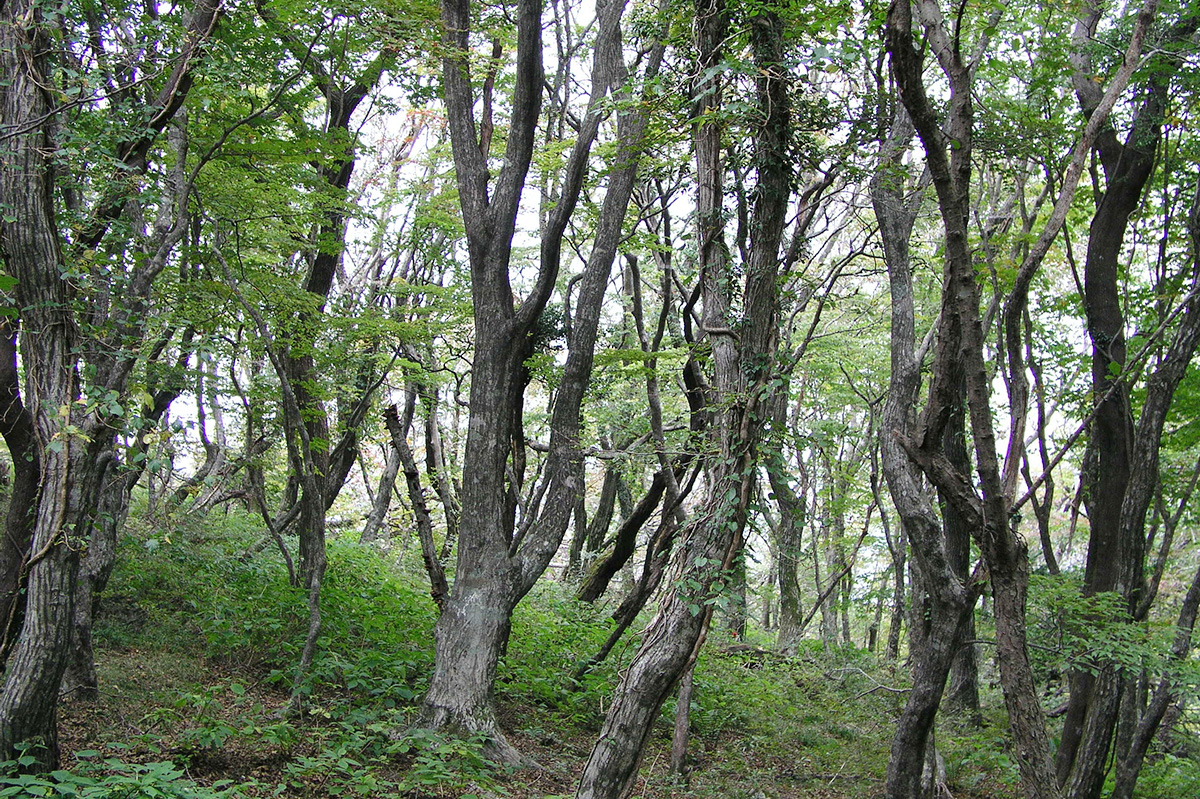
x,y
75,442
936,625
597,528
988,511
497,564
1115,559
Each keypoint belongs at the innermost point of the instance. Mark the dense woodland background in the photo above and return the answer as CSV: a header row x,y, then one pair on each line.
x,y
718,398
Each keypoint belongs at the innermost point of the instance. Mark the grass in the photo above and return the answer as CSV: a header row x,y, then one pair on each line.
x,y
196,646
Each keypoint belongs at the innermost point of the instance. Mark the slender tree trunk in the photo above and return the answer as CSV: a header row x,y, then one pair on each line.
x,y
962,694
899,584
16,425
398,431
683,715
790,545
383,497
438,469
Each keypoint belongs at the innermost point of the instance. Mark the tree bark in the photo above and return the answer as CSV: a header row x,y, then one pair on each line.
x,y
683,715
398,431
960,352
1115,559
597,528
789,538
383,497
935,626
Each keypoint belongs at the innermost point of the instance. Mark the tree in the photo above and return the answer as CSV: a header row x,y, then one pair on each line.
x,y
742,354
960,346
75,411
1120,466
499,561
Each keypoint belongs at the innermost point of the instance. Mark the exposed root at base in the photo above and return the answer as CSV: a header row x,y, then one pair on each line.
x,y
495,747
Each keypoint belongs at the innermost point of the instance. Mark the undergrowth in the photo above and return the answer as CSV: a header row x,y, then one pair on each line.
x,y
199,635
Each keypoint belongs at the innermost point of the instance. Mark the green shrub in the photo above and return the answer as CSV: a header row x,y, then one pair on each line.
x,y
1168,776
552,635
447,765
111,778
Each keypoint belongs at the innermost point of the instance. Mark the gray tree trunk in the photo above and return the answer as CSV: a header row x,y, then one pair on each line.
x,y
497,564
935,624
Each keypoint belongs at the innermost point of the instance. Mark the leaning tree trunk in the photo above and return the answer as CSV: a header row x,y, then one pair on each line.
x,y
709,545
383,497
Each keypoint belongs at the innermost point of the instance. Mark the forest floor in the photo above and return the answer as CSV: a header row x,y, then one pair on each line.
x,y
196,645
158,706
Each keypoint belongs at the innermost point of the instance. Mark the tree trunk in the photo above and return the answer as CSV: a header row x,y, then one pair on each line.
x,y
398,431
790,545
740,368
497,564
438,469
70,471
934,644
383,497
624,541
962,693
470,637
597,528
936,623
1115,558
683,715
899,584
1129,764
75,439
